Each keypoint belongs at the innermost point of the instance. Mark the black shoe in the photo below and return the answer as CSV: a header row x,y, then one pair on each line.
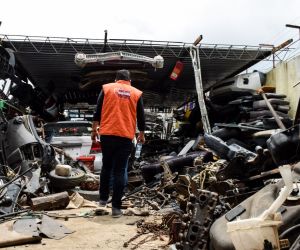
x,y
102,203
116,212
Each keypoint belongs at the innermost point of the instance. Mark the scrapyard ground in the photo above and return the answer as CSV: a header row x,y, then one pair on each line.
x,y
99,232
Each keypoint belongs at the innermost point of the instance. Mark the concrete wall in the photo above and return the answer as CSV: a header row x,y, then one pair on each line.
x,y
284,77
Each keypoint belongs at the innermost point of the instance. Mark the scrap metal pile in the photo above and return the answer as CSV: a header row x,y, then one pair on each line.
x,y
229,175
198,184
33,180
218,190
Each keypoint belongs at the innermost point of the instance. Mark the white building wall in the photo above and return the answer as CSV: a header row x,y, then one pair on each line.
x,y
284,77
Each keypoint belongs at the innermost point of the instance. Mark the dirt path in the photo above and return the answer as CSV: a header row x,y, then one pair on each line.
x,y
101,232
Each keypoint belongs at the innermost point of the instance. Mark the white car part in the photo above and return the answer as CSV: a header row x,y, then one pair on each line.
x,y
75,146
98,163
286,174
252,233
82,59
187,147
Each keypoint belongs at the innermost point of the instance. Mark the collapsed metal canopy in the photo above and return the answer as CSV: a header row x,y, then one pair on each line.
x,y
51,59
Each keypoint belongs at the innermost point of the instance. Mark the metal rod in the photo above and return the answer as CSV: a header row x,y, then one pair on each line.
x,y
2,217
198,40
20,175
262,174
105,41
294,27
275,115
62,152
194,53
297,115
282,45
296,84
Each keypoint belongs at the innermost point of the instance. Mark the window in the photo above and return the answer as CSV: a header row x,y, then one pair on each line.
x,y
246,81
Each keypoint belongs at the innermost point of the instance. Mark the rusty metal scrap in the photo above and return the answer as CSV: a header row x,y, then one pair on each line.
x,y
174,222
186,192
208,174
195,231
157,228
176,164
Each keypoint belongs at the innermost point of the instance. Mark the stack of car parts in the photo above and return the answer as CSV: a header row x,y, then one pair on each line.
x,y
237,86
176,164
254,110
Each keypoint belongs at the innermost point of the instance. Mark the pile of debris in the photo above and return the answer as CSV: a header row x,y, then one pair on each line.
x,y
200,184
228,180
33,180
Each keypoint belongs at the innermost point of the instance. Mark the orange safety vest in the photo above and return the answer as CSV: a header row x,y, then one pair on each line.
x,y
118,115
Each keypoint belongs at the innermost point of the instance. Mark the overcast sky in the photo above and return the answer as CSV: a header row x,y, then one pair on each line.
x,y
219,21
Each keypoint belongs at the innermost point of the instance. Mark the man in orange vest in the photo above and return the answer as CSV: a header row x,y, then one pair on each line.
x,y
119,108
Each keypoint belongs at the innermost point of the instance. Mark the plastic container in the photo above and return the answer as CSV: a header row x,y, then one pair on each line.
x,y
138,150
250,234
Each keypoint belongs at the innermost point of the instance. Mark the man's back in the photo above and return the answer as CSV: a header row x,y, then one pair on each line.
x,y
118,115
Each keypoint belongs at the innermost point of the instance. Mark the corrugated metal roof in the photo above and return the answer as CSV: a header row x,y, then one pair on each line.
x,y
52,59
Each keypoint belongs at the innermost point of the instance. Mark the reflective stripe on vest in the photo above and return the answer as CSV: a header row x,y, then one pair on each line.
x,y
118,115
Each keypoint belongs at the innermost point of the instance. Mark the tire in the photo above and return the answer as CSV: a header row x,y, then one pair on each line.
x,y
88,195
61,182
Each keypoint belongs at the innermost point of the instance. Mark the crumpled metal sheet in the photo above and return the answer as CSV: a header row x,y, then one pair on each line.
x,y
33,185
52,229
46,226
13,192
28,226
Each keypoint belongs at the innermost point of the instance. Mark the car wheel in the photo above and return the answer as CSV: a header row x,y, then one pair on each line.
x,y
67,182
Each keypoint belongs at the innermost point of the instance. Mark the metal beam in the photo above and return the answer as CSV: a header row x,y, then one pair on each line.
x,y
59,45
294,27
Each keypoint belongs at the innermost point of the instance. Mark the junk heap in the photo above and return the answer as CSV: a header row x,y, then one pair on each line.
x,y
218,190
